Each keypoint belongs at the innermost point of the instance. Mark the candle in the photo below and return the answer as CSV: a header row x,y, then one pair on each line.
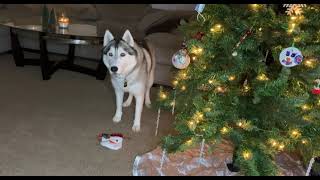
x,y
63,22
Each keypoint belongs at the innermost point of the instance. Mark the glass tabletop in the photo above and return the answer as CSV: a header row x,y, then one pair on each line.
x,y
83,30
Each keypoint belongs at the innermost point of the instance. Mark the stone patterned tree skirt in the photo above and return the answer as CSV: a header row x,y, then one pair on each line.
x,y
214,164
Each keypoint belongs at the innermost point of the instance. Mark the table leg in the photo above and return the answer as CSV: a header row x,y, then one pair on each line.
x,y
44,59
17,50
71,54
101,71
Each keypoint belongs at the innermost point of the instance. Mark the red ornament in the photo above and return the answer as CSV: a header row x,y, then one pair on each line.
x,y
316,91
199,36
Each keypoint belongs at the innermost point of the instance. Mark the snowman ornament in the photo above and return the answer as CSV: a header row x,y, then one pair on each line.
x,y
291,57
316,89
111,141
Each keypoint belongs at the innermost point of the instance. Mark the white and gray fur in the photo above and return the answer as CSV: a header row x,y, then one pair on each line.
x,y
131,63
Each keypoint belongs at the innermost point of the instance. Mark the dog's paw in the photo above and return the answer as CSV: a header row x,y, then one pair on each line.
x,y
126,104
148,104
136,128
116,119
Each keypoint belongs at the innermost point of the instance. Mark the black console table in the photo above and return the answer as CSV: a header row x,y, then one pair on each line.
x,y
76,34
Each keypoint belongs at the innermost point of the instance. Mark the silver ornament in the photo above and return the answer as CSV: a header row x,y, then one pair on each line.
x,y
235,53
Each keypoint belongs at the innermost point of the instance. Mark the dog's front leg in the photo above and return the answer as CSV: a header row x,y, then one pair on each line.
x,y
119,100
138,111
118,89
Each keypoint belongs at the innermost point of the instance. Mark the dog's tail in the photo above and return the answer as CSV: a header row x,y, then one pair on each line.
x,y
149,54
150,57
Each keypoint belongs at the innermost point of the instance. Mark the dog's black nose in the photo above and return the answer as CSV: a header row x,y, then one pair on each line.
x,y
114,69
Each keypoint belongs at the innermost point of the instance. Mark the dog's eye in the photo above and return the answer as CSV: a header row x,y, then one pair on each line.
x,y
110,54
122,54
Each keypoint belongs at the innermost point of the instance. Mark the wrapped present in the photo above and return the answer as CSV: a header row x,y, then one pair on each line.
x,y
189,163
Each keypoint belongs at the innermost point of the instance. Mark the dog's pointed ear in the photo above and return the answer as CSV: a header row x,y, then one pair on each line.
x,y
107,37
127,37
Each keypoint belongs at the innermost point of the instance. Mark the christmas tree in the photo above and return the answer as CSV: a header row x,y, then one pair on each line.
x,y
243,85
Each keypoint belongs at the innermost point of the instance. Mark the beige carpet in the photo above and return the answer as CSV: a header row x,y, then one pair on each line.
x,y
50,127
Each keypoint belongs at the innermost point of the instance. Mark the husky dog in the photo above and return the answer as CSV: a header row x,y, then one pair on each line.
x,y
131,68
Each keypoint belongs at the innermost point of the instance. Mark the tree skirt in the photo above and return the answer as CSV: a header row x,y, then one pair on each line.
x,y
189,163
